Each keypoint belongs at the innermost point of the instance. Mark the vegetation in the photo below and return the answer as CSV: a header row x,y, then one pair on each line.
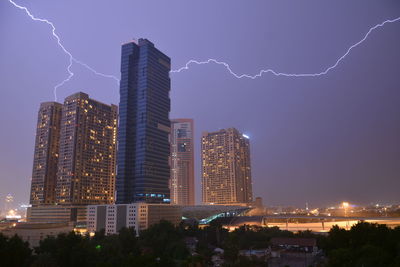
x,y
364,245
164,245
14,252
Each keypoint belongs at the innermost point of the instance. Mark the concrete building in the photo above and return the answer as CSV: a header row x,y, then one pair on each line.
x,y
112,218
226,172
56,213
86,167
45,158
33,233
182,162
75,159
258,203
144,126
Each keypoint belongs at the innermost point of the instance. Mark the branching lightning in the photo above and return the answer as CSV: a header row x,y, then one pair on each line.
x,y
275,73
71,58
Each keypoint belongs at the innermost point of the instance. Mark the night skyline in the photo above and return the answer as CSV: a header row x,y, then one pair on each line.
x,y
317,140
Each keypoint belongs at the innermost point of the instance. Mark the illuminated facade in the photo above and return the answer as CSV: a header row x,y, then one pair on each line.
x,y
182,162
87,162
143,169
45,159
226,172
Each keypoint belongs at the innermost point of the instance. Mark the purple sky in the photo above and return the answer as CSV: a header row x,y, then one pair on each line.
x,y
318,140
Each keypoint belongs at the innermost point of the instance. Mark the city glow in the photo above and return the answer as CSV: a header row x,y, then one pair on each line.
x,y
12,215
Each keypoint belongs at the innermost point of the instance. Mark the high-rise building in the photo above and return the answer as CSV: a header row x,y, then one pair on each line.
x,y
86,166
143,169
226,172
45,158
182,162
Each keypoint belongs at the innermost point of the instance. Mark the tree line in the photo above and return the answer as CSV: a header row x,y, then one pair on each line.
x,y
163,244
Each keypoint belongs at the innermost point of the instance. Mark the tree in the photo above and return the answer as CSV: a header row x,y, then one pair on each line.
x,y
165,241
14,251
365,244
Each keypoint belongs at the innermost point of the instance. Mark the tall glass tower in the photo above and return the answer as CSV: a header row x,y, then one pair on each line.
x,y
143,168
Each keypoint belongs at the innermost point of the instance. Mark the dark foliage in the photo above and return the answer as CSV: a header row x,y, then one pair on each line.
x,y
164,245
14,252
366,244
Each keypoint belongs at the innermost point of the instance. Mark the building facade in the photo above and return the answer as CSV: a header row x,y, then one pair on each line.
x,y
140,216
226,171
33,233
56,214
182,162
143,169
87,162
45,158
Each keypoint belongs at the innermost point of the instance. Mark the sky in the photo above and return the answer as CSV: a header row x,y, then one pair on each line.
x,y
320,140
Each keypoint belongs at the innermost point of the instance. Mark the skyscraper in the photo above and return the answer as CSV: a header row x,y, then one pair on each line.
x,y
182,162
226,172
86,166
45,158
143,169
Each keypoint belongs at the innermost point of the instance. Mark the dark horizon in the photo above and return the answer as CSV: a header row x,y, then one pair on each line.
x,y
321,140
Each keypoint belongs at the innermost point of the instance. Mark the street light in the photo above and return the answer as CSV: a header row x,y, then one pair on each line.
x,y
345,205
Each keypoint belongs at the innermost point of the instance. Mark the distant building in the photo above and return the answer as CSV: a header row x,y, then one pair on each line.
x,y
182,162
8,203
45,157
226,172
144,126
258,203
86,167
112,218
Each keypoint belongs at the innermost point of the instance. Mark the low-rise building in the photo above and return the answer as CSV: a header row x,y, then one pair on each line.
x,y
308,245
56,214
140,216
33,233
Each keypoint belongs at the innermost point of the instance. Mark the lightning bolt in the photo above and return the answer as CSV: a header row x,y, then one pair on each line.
x,y
192,61
255,76
71,58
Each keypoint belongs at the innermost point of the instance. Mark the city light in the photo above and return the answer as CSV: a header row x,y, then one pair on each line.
x,y
246,136
12,215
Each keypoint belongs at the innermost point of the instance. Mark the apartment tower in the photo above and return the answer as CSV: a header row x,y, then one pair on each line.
x,y
86,166
226,172
45,158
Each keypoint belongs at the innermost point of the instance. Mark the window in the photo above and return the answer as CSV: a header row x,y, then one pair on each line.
x,y
181,133
182,147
